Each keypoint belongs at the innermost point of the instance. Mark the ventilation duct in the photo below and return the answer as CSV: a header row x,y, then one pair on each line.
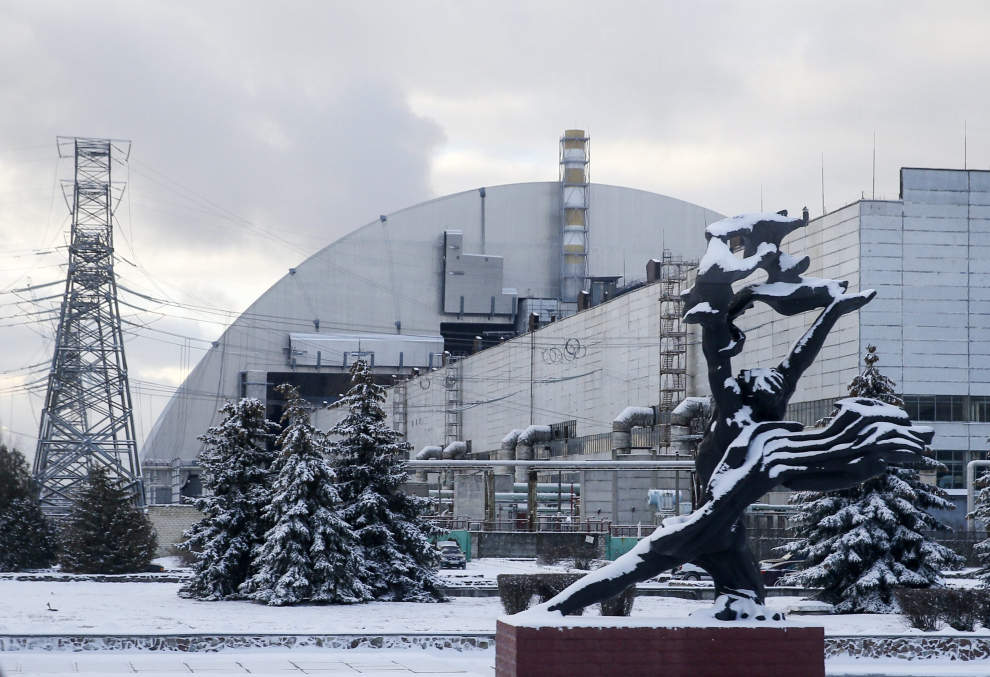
x,y
631,417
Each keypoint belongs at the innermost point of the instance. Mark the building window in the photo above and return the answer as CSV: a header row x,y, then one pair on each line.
x,y
808,413
935,407
954,475
979,409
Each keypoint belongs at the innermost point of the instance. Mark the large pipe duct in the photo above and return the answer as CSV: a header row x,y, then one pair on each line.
x,y
507,452
690,409
631,417
428,453
680,422
524,446
454,451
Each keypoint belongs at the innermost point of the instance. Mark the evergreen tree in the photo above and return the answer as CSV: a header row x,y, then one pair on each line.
x,y
981,512
236,462
27,539
862,543
309,554
399,558
105,533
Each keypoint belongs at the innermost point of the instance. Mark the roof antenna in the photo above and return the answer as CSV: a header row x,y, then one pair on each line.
x,y
874,165
761,197
965,145
823,183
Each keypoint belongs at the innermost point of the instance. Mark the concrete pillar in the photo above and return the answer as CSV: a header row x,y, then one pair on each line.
x,y
469,497
531,499
256,385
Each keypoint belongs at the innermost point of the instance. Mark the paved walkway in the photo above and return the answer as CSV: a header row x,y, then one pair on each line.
x,y
291,662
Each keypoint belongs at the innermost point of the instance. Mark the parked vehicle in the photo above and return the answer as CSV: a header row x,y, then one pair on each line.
x,y
774,570
690,572
451,556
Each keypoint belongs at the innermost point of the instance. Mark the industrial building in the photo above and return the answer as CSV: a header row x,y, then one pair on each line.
x,y
453,275
928,257
526,320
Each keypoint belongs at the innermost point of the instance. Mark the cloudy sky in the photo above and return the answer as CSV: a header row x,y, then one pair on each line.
x,y
261,132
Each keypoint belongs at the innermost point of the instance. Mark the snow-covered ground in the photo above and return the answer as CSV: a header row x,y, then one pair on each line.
x,y
377,663
85,607
154,608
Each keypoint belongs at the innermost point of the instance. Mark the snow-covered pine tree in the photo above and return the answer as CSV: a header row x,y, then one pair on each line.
x,y
861,544
309,553
981,512
27,538
236,462
400,561
104,532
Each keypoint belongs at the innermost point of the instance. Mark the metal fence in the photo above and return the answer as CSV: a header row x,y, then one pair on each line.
x,y
549,523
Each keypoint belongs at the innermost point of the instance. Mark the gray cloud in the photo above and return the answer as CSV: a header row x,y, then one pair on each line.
x,y
309,119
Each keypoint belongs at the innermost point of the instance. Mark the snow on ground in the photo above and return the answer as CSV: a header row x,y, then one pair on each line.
x,y
171,564
154,608
36,607
378,663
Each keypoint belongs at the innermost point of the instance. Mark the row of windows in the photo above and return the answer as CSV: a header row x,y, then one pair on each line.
x,y
954,474
965,408
951,408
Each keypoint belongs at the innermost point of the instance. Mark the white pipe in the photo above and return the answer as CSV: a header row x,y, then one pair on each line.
x,y
970,493
524,446
680,422
689,409
454,451
559,465
631,417
426,454
507,452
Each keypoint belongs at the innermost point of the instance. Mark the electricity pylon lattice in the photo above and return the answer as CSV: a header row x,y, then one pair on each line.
x,y
88,420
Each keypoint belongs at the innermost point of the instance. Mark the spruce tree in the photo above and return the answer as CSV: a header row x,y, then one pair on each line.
x,y
400,561
236,462
104,532
309,554
862,543
27,538
981,513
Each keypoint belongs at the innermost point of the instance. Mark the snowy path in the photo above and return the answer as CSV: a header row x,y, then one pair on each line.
x,y
285,662
405,663
154,608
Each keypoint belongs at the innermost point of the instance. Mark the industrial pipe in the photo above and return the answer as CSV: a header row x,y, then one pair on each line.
x,y
454,451
680,422
427,453
557,465
631,417
507,452
524,446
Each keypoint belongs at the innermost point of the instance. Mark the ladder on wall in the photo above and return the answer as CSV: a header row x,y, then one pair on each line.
x,y
452,401
673,342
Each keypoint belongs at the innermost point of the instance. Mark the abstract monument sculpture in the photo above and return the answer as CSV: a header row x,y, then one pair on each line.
x,y
748,448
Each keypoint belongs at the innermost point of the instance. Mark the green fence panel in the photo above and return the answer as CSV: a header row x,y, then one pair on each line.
x,y
463,539
619,546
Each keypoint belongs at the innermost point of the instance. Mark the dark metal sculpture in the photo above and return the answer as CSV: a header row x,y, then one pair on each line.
x,y
748,448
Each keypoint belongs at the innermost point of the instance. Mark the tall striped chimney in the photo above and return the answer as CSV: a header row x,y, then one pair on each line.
x,y
574,177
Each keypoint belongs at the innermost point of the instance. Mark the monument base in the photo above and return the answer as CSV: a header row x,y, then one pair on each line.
x,y
577,646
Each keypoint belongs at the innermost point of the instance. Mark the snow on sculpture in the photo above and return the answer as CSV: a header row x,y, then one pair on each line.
x,y
748,448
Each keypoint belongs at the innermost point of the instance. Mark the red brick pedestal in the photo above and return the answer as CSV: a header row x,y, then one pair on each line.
x,y
613,647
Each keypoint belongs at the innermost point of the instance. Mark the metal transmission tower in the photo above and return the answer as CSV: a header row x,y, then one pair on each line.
x,y
673,341
88,419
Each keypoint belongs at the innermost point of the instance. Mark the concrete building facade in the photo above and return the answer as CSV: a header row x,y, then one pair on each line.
x,y
927,256
455,274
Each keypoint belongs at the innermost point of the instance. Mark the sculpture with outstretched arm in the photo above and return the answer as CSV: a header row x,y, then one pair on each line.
x,y
748,448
